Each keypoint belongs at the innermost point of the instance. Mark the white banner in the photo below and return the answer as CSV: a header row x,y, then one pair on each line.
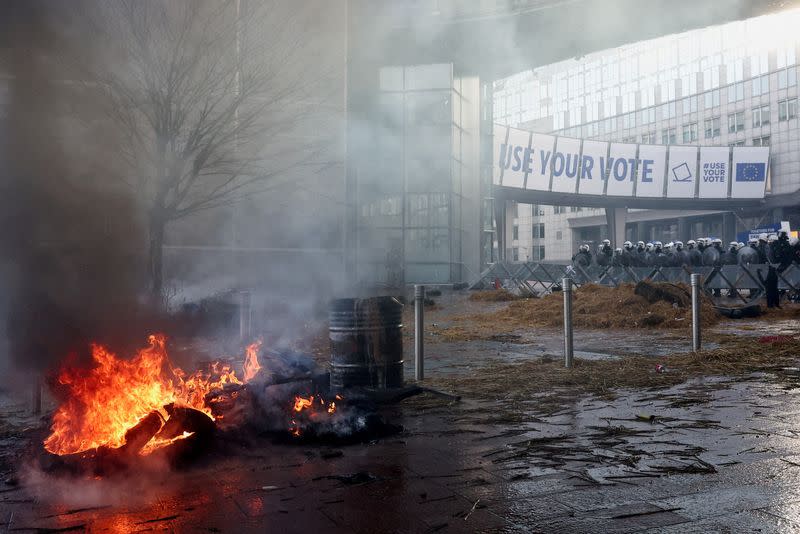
x,y
542,147
565,165
541,162
650,172
592,180
621,170
713,175
681,171
514,158
749,171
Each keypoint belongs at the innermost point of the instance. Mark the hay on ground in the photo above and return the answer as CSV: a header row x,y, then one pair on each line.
x,y
521,382
595,306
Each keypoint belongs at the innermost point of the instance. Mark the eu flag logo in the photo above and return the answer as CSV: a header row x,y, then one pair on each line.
x,y
751,172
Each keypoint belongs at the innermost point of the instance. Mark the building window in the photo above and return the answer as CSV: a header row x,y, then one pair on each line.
x,y
736,92
761,141
712,99
538,231
668,110
559,235
736,122
649,138
760,116
648,116
761,85
690,132
668,136
712,127
515,254
538,252
629,120
787,109
515,232
737,143
787,78
690,105
559,209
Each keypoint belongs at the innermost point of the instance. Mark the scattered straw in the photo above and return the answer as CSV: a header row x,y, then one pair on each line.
x,y
526,381
593,307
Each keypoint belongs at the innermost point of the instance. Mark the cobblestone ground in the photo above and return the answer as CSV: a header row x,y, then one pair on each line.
x,y
717,455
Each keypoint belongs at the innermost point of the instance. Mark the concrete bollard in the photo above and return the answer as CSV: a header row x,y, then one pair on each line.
x,y
419,332
566,288
696,287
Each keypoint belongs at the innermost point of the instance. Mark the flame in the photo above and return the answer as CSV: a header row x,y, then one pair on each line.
x,y
251,365
306,407
104,402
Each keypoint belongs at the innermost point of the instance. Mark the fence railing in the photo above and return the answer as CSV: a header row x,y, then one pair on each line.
x,y
533,278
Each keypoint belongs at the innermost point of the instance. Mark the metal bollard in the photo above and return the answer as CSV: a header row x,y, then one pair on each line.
x,y
566,288
696,285
244,316
419,332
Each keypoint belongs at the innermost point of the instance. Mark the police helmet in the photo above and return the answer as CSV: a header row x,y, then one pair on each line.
x,y
648,247
717,241
733,244
691,243
669,245
739,245
627,245
584,248
658,244
640,244
617,251
606,242
679,245
772,238
762,237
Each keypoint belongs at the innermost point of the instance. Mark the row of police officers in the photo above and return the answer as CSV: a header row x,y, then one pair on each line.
x,y
776,249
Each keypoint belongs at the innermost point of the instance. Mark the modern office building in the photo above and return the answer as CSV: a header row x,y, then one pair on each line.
x,y
733,84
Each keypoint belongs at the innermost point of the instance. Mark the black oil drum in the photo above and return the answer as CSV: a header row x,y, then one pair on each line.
x,y
366,343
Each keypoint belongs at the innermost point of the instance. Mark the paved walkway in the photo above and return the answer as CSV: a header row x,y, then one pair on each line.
x,y
718,455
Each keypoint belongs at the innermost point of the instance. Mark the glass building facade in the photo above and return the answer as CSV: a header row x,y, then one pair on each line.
x,y
418,193
729,85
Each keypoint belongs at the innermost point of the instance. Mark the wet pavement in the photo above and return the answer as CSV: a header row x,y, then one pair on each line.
x,y
710,455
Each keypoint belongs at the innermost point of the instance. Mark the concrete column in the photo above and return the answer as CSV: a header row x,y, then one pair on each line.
x,y
615,219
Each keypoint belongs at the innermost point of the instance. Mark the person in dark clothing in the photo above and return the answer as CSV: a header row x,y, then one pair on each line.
x,y
782,251
771,285
763,249
583,257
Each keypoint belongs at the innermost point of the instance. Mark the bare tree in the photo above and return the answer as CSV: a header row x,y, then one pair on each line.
x,y
200,95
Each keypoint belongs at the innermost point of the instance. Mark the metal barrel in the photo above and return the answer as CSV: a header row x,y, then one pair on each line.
x,y
366,338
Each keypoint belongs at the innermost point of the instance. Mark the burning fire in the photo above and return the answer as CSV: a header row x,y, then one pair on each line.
x,y
305,406
251,366
104,402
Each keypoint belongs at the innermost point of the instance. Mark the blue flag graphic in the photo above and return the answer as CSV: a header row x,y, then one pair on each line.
x,y
751,172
